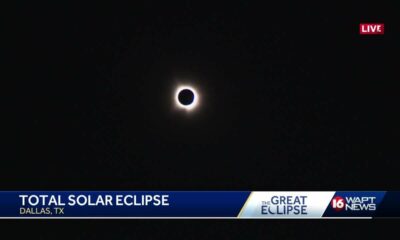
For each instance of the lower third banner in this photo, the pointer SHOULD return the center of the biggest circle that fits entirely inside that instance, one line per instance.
(198, 204)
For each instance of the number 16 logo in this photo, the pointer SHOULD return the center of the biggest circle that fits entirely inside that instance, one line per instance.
(338, 203)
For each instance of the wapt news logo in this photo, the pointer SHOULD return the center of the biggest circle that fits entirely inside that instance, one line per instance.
(354, 204)
(339, 203)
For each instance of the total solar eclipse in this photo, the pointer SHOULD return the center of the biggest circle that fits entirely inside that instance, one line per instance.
(186, 97)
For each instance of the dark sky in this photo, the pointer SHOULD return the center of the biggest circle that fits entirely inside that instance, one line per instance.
(293, 98)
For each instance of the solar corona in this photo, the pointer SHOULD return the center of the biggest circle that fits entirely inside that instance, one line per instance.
(186, 98)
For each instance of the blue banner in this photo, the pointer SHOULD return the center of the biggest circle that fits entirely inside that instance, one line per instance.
(121, 204)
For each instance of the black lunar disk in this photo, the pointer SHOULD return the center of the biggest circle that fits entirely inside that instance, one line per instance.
(186, 97)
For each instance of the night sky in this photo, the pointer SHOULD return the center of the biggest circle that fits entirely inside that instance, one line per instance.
(292, 98)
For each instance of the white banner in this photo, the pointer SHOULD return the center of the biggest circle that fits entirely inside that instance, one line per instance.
(286, 205)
